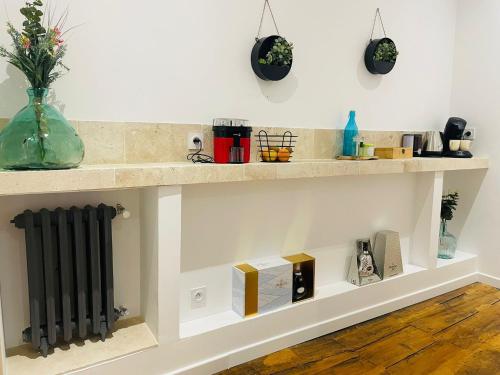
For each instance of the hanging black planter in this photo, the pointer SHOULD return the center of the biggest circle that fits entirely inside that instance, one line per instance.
(278, 64)
(374, 66)
(383, 61)
(267, 72)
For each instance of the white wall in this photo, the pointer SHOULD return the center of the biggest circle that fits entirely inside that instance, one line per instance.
(476, 89)
(188, 62)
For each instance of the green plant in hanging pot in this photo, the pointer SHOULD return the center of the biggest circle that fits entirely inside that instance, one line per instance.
(380, 54)
(447, 241)
(38, 136)
(272, 56)
(386, 52)
(280, 53)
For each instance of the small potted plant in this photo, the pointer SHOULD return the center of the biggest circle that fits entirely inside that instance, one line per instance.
(272, 58)
(381, 56)
(447, 241)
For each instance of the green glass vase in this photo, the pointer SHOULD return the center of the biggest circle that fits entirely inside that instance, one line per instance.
(447, 242)
(39, 137)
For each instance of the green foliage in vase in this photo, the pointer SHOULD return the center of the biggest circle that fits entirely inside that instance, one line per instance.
(37, 50)
(449, 204)
(280, 53)
(386, 52)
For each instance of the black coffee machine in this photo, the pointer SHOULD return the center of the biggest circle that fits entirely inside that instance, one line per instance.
(454, 130)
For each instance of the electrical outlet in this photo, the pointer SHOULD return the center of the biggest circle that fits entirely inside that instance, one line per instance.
(470, 133)
(190, 140)
(198, 297)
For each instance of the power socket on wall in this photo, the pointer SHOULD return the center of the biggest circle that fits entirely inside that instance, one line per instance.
(191, 145)
(198, 297)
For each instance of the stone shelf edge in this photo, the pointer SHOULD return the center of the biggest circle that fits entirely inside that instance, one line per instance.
(121, 176)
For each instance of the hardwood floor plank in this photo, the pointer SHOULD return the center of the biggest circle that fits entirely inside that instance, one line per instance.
(485, 362)
(468, 300)
(366, 333)
(444, 358)
(441, 320)
(477, 330)
(431, 306)
(396, 347)
(457, 333)
(305, 353)
(440, 358)
(329, 366)
(414, 314)
(458, 298)
(479, 288)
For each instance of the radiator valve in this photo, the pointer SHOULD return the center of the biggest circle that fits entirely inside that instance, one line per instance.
(120, 210)
(121, 311)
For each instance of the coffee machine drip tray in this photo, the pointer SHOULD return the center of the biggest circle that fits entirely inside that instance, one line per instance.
(457, 154)
(432, 154)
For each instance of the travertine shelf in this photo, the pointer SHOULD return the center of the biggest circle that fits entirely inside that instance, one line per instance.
(120, 176)
(131, 336)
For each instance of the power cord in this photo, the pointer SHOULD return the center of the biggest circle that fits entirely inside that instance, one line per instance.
(198, 157)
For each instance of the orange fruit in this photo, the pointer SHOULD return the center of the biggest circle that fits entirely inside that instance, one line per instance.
(270, 155)
(284, 154)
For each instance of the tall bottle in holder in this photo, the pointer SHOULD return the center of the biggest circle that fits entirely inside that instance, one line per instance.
(299, 284)
(366, 267)
(350, 134)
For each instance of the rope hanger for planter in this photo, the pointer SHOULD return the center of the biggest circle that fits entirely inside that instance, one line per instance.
(377, 13)
(266, 3)
(266, 66)
(386, 59)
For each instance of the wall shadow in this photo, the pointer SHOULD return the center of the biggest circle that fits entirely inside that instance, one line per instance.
(468, 184)
(12, 92)
(279, 91)
(365, 78)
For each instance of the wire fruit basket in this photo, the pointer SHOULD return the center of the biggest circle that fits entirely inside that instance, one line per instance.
(276, 148)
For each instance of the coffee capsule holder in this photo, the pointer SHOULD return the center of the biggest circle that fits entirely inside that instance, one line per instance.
(269, 146)
(353, 275)
(387, 253)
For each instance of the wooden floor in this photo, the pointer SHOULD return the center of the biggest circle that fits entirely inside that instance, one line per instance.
(456, 333)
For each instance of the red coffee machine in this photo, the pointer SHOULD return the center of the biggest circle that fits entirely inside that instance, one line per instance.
(231, 141)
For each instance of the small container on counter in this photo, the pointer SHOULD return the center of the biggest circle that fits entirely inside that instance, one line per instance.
(367, 150)
(465, 144)
(358, 144)
(408, 140)
(415, 141)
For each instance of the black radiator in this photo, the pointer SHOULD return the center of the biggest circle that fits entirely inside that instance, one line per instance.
(70, 273)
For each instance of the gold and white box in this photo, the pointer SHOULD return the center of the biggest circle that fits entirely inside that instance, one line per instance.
(262, 285)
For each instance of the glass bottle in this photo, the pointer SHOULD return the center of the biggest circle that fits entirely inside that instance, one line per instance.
(365, 262)
(350, 133)
(447, 242)
(299, 285)
(39, 137)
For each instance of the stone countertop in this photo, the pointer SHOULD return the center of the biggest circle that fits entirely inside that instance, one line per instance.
(122, 176)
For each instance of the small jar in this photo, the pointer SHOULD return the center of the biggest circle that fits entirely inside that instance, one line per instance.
(370, 150)
(367, 150)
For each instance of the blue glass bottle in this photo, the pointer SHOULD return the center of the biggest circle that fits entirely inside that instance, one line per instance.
(350, 132)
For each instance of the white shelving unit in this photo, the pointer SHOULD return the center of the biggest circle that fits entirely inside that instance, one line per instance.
(229, 318)
(191, 235)
(460, 257)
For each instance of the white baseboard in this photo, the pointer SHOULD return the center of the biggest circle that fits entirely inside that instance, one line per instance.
(488, 279)
(273, 344)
